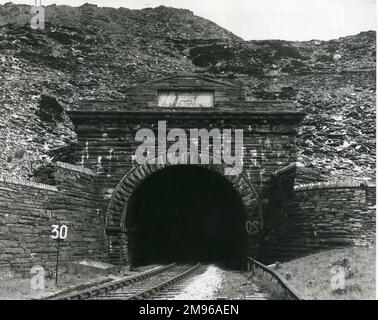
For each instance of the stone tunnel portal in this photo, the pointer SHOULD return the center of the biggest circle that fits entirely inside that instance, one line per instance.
(185, 213)
(157, 212)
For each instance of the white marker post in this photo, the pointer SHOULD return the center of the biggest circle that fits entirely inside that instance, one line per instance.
(59, 234)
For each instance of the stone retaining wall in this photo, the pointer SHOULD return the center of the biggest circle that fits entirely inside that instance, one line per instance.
(28, 209)
(318, 216)
(24, 224)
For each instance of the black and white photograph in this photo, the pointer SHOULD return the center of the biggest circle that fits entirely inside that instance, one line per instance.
(197, 156)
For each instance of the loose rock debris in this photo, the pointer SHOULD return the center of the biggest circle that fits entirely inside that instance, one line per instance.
(217, 283)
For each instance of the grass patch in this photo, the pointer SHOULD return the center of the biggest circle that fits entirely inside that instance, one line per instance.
(275, 291)
(19, 288)
(312, 275)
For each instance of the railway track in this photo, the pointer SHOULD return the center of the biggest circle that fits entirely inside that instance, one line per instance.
(142, 286)
(166, 282)
(151, 287)
(253, 267)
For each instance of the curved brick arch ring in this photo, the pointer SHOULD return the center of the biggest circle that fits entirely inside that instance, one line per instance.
(118, 204)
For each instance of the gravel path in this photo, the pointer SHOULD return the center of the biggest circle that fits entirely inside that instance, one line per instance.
(203, 286)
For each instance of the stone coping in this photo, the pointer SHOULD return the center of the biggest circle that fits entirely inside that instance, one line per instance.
(216, 111)
(43, 186)
(75, 168)
(334, 185)
(27, 183)
(288, 168)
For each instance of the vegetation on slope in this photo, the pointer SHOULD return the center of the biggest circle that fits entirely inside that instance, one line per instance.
(312, 275)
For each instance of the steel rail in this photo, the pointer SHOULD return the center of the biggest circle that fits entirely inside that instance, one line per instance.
(150, 291)
(109, 286)
(252, 265)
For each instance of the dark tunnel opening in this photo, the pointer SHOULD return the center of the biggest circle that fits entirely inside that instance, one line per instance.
(185, 214)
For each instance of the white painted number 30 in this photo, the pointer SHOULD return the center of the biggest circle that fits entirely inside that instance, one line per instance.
(59, 232)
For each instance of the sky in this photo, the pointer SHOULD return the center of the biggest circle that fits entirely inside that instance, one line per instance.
(264, 19)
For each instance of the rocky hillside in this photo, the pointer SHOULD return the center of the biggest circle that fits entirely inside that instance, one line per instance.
(91, 52)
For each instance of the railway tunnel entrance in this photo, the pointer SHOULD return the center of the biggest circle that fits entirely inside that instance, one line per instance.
(156, 211)
(185, 213)
(167, 212)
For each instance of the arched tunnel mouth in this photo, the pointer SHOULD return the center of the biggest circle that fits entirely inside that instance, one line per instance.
(185, 214)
